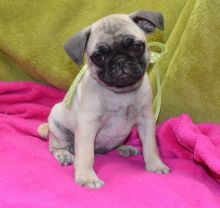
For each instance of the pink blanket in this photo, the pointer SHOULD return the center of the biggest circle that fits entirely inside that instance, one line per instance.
(31, 178)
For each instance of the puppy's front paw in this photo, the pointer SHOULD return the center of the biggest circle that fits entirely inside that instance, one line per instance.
(64, 157)
(158, 167)
(89, 180)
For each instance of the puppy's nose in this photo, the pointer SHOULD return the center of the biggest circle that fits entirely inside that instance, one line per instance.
(119, 63)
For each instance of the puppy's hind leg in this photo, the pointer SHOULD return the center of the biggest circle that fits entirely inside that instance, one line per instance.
(43, 131)
(61, 145)
(127, 151)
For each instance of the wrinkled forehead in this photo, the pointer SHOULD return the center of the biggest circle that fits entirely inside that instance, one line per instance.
(112, 29)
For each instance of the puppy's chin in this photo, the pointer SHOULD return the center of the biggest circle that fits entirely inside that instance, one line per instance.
(122, 78)
(121, 86)
(122, 81)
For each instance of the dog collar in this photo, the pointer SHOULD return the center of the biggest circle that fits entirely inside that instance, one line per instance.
(155, 57)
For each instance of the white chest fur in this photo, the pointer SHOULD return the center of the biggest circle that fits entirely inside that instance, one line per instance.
(115, 127)
(121, 113)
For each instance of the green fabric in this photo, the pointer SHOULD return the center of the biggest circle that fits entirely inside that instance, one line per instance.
(32, 35)
(190, 70)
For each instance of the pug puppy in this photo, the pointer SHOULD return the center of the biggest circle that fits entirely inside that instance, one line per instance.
(113, 96)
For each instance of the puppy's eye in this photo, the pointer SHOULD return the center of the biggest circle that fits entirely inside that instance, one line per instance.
(137, 48)
(128, 42)
(98, 59)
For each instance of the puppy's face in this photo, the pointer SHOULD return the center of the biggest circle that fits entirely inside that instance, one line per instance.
(115, 47)
(116, 51)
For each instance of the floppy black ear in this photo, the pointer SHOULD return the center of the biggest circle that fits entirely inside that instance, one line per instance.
(148, 21)
(75, 46)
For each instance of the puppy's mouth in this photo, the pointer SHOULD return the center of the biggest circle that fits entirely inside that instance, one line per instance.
(122, 78)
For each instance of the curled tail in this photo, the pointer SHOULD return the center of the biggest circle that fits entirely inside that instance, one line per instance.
(43, 130)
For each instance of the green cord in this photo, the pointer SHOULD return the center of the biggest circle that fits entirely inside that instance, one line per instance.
(158, 95)
(69, 95)
(154, 60)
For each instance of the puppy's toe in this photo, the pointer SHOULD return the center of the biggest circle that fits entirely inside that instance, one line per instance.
(127, 151)
(158, 167)
(89, 180)
(64, 157)
(91, 183)
(94, 184)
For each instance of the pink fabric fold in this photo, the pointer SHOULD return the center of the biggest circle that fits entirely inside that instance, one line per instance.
(182, 139)
(31, 178)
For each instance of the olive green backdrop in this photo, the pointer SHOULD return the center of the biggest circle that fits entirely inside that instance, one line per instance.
(32, 34)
